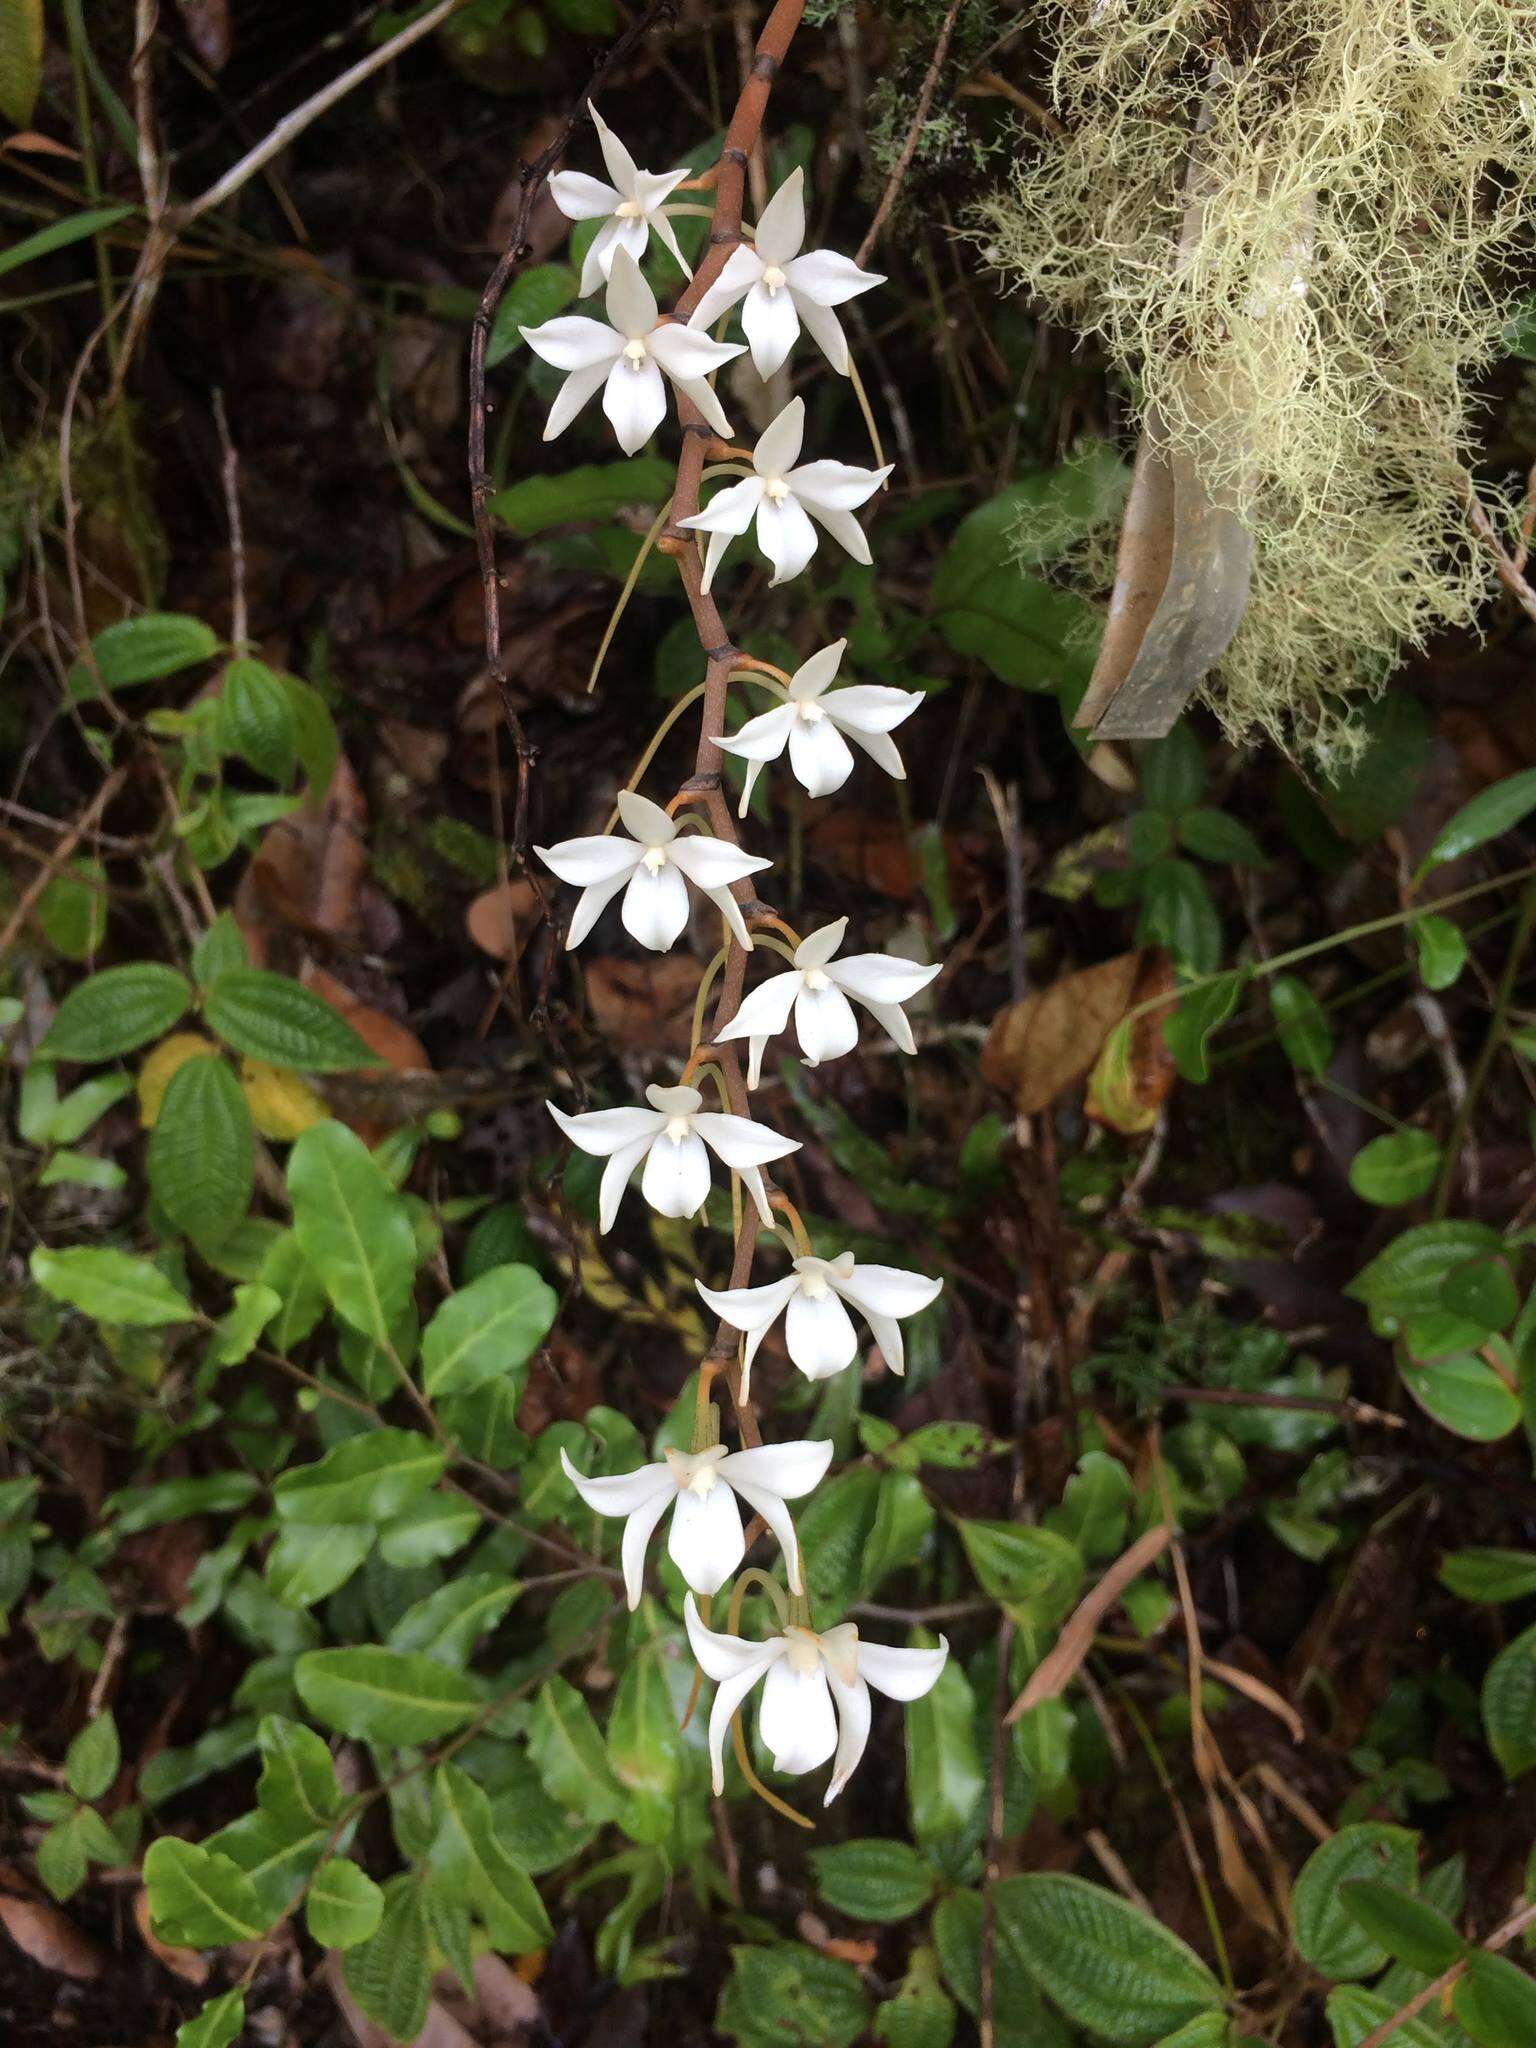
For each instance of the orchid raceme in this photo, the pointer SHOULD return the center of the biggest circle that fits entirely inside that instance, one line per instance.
(783, 289)
(815, 1693)
(671, 1137)
(813, 725)
(815, 992)
(625, 357)
(783, 499)
(818, 1330)
(706, 1541)
(629, 208)
(649, 861)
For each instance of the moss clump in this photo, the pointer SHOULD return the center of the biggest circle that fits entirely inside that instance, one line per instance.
(1293, 225)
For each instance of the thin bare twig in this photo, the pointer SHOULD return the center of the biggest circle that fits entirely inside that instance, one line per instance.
(230, 471)
(903, 163)
(1501, 1937)
(59, 856)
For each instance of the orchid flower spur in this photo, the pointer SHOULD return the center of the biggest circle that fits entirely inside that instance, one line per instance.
(626, 355)
(649, 861)
(815, 993)
(628, 208)
(783, 500)
(818, 1330)
(706, 1541)
(784, 289)
(805, 1674)
(671, 1137)
(813, 724)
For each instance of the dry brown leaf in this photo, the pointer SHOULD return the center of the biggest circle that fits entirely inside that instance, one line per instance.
(208, 31)
(500, 920)
(185, 1963)
(877, 854)
(307, 875)
(1050, 1040)
(1134, 1072)
(41, 1931)
(644, 1002)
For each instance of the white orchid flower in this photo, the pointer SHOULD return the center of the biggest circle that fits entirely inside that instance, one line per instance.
(626, 355)
(649, 861)
(813, 724)
(818, 1329)
(628, 208)
(779, 497)
(806, 1673)
(671, 1137)
(705, 1541)
(784, 289)
(815, 993)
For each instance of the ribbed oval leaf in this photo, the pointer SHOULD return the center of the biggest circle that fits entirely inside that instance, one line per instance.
(1396, 1168)
(259, 721)
(1496, 2002)
(367, 1478)
(115, 1011)
(390, 1974)
(572, 1761)
(1107, 1965)
(142, 650)
(469, 1863)
(1409, 1929)
(201, 1159)
(1022, 2019)
(1304, 1030)
(1353, 2013)
(874, 1879)
(385, 1695)
(1509, 1705)
(1328, 1937)
(946, 1783)
(268, 1017)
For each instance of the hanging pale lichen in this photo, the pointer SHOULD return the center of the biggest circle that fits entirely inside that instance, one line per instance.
(1294, 226)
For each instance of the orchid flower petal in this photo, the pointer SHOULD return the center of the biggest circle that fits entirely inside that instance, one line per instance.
(706, 1541)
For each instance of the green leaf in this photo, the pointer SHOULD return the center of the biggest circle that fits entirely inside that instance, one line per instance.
(645, 1746)
(113, 1287)
(1496, 2002)
(448, 1623)
(1028, 632)
(790, 1994)
(1094, 1506)
(142, 650)
(21, 72)
(1484, 1291)
(1022, 2020)
(946, 1781)
(218, 2025)
(922, 2014)
(581, 496)
(72, 910)
(176, 1770)
(236, 1332)
(133, 1508)
(1490, 813)
(62, 1857)
(1172, 770)
(468, 1862)
(1509, 1705)
(1374, 788)
(1410, 1930)
(1031, 1570)
(1177, 912)
(952, 1446)
(352, 1228)
(268, 1017)
(1442, 951)
(220, 948)
(390, 1974)
(367, 1478)
(343, 1905)
(1408, 1277)
(1396, 1169)
(570, 1754)
(199, 1900)
(1109, 1967)
(1199, 1013)
(258, 717)
(427, 1530)
(92, 1761)
(1489, 1574)
(80, 1108)
(308, 1564)
(385, 1696)
(1212, 835)
(873, 1880)
(1354, 2013)
(201, 1159)
(298, 1787)
(1304, 1030)
(488, 1329)
(1327, 1936)
(115, 1011)
(1465, 1395)
(534, 296)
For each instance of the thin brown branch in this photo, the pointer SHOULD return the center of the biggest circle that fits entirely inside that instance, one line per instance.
(903, 164)
(1501, 1937)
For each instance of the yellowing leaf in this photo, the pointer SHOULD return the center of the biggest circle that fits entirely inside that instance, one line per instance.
(282, 1106)
(160, 1065)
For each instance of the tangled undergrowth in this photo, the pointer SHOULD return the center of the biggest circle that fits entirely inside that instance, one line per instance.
(1311, 341)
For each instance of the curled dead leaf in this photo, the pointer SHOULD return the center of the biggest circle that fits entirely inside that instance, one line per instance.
(1134, 1071)
(645, 1002)
(1042, 1045)
(501, 919)
(41, 1931)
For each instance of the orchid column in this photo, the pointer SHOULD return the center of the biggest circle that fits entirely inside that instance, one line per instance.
(633, 357)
